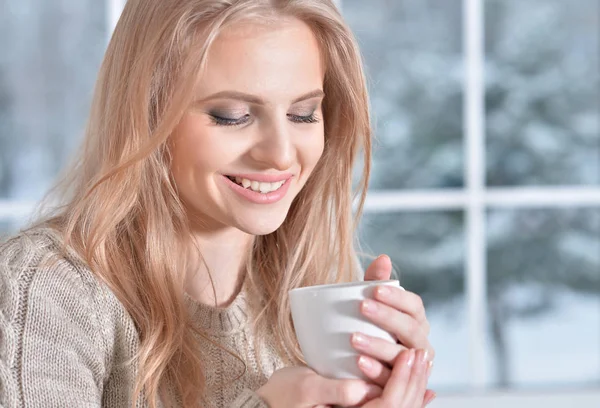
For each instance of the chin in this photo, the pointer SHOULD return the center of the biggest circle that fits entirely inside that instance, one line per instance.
(261, 226)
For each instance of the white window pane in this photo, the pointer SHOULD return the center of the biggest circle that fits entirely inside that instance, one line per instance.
(544, 297)
(414, 59)
(427, 250)
(543, 92)
(51, 52)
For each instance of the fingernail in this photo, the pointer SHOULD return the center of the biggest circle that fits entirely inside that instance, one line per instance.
(382, 291)
(382, 255)
(369, 306)
(429, 369)
(365, 362)
(359, 340)
(425, 355)
(373, 391)
(411, 358)
(430, 399)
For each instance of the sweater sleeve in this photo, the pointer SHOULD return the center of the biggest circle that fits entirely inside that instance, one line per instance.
(50, 343)
(248, 399)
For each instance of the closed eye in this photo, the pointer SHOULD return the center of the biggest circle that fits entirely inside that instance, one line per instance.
(312, 118)
(222, 121)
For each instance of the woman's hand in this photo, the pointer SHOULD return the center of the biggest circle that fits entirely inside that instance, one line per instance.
(399, 312)
(301, 387)
(407, 383)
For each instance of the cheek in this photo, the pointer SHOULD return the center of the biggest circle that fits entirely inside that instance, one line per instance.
(313, 150)
(198, 151)
(194, 158)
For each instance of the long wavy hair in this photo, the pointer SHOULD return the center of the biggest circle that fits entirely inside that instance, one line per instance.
(120, 209)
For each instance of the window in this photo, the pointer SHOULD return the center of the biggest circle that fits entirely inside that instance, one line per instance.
(51, 52)
(486, 187)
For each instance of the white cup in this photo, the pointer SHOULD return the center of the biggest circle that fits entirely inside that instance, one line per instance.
(325, 316)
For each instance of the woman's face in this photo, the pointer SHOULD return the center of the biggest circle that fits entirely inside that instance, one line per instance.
(249, 142)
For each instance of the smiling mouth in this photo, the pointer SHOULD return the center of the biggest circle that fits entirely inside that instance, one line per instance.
(257, 186)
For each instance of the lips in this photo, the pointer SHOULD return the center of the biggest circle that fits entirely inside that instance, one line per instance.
(262, 177)
(258, 186)
(262, 193)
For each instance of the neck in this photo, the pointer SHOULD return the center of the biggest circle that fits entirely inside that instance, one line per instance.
(222, 264)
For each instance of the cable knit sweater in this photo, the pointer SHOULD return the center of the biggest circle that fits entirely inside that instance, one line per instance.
(64, 337)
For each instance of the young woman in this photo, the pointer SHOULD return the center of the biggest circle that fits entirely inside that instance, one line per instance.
(216, 175)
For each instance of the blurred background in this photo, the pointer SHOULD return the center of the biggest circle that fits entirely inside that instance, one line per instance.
(485, 190)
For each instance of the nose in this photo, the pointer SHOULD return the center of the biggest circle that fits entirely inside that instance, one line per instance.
(274, 147)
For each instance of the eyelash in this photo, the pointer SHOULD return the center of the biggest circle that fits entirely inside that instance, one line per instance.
(219, 121)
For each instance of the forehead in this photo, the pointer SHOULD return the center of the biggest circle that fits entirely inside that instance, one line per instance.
(276, 61)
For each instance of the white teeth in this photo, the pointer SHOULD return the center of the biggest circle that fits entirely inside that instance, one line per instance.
(264, 187)
(259, 186)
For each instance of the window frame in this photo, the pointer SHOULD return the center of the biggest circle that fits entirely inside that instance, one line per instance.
(475, 199)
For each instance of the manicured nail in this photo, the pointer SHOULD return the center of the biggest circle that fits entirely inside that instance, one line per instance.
(429, 369)
(382, 291)
(365, 363)
(369, 306)
(430, 399)
(373, 391)
(411, 358)
(360, 340)
(384, 255)
(425, 355)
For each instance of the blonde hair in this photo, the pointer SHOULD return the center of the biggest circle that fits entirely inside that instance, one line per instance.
(121, 209)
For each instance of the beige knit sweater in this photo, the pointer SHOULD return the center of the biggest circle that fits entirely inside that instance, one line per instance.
(64, 337)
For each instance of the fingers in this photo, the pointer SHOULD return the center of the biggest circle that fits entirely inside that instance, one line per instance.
(405, 383)
(397, 384)
(402, 300)
(380, 269)
(429, 396)
(377, 348)
(380, 375)
(328, 391)
(418, 379)
(408, 379)
(374, 370)
(404, 327)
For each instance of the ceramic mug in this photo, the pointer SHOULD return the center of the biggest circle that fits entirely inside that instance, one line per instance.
(325, 316)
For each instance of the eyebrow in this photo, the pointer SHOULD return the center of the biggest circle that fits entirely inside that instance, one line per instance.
(257, 100)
